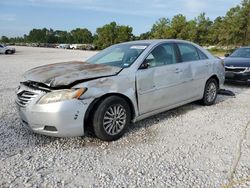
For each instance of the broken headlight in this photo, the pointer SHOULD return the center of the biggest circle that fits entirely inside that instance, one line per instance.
(61, 95)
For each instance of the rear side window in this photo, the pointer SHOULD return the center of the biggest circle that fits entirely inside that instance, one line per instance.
(188, 52)
(202, 55)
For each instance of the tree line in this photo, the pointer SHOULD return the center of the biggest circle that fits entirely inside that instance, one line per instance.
(233, 29)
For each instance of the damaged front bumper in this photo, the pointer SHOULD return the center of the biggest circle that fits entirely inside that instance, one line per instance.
(243, 77)
(237, 74)
(60, 119)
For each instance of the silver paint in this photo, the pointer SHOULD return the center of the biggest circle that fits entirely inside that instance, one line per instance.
(146, 89)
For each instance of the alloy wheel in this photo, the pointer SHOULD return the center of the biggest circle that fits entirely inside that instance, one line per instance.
(114, 119)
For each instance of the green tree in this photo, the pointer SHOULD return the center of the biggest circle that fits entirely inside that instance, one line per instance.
(50, 36)
(215, 31)
(244, 21)
(191, 31)
(203, 27)
(161, 29)
(37, 35)
(111, 34)
(144, 36)
(229, 33)
(81, 36)
(5, 39)
(124, 33)
(178, 27)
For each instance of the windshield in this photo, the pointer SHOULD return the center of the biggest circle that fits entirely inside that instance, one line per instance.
(241, 52)
(122, 55)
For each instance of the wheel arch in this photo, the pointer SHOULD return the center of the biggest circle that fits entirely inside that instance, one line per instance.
(97, 101)
(214, 77)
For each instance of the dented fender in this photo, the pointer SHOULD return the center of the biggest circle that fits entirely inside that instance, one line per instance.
(121, 84)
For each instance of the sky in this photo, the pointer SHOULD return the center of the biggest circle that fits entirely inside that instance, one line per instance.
(18, 17)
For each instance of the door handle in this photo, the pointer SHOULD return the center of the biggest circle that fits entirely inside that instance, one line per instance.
(177, 71)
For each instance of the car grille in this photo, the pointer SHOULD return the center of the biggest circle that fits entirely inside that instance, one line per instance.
(25, 97)
(235, 69)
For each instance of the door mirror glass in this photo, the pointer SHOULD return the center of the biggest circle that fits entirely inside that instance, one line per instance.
(227, 55)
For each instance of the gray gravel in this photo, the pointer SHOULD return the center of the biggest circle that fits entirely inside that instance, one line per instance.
(191, 146)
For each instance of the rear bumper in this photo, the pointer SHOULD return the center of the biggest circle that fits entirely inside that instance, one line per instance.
(61, 119)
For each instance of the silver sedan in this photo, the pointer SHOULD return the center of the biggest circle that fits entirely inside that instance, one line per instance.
(122, 84)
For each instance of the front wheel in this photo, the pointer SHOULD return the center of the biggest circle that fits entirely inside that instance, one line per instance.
(210, 92)
(8, 52)
(111, 118)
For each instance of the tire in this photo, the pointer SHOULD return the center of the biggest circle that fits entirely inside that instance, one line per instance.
(8, 52)
(111, 118)
(210, 92)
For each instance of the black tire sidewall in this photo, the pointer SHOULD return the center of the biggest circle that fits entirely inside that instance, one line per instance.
(8, 52)
(97, 122)
(205, 102)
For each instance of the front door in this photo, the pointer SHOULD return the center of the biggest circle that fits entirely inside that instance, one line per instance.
(159, 85)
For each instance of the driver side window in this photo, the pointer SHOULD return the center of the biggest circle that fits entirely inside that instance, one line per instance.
(163, 54)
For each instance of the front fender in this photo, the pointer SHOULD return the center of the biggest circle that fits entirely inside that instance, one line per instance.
(116, 85)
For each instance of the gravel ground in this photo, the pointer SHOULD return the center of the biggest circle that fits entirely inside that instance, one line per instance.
(191, 146)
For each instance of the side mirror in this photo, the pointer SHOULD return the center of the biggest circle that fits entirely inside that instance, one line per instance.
(227, 55)
(144, 65)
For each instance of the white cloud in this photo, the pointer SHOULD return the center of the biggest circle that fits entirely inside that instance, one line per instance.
(128, 7)
(195, 6)
(7, 17)
(146, 8)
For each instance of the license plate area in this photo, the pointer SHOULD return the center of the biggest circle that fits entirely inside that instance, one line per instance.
(229, 75)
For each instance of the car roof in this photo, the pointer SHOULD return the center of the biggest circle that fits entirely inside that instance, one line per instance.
(155, 41)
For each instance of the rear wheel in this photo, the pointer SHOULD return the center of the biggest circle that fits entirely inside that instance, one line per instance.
(111, 118)
(210, 92)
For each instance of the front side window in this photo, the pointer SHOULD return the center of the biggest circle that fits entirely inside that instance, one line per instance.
(188, 52)
(162, 55)
(122, 55)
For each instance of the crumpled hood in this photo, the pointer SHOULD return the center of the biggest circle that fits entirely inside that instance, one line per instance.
(237, 62)
(67, 73)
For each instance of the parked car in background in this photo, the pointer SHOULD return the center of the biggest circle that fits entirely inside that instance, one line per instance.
(122, 84)
(237, 65)
(74, 46)
(63, 46)
(82, 46)
(6, 50)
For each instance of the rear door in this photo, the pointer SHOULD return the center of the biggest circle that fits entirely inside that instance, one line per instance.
(195, 69)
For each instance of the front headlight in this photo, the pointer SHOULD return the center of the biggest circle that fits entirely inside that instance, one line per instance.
(61, 95)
